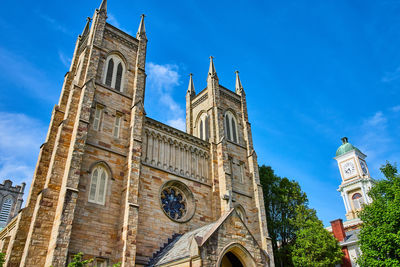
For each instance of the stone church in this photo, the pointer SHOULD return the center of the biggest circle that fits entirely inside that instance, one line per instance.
(118, 186)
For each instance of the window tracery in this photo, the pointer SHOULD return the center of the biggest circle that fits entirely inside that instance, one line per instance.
(231, 127)
(174, 203)
(114, 72)
(98, 185)
(177, 201)
(203, 126)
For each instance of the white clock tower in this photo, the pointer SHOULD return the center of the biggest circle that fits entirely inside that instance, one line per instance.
(356, 180)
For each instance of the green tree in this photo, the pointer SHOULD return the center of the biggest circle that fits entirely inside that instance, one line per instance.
(281, 198)
(313, 246)
(77, 261)
(2, 259)
(380, 232)
(290, 222)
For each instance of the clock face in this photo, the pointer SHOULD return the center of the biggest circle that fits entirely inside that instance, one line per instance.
(348, 169)
(363, 167)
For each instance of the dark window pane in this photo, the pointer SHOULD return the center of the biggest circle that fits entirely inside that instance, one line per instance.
(201, 129)
(110, 71)
(119, 77)
(228, 130)
(234, 131)
(207, 126)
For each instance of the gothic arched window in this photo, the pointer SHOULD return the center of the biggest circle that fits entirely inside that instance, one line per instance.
(98, 185)
(177, 201)
(5, 210)
(231, 127)
(204, 127)
(114, 73)
(241, 212)
(357, 201)
(110, 70)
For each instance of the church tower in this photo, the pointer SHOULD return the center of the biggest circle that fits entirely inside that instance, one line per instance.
(119, 186)
(356, 179)
(219, 116)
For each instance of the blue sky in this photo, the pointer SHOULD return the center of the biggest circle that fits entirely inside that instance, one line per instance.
(313, 71)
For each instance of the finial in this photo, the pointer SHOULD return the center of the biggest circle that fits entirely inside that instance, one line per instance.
(345, 140)
(103, 6)
(191, 90)
(238, 85)
(87, 27)
(142, 29)
(211, 70)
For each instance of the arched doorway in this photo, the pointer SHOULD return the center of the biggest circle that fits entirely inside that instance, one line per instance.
(235, 255)
(230, 260)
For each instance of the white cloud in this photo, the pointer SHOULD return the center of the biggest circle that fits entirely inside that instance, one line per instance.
(163, 76)
(53, 23)
(378, 120)
(66, 61)
(378, 141)
(179, 124)
(161, 82)
(391, 76)
(23, 74)
(20, 139)
(113, 21)
(396, 108)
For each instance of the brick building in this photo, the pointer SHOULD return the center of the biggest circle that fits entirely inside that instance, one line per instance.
(119, 186)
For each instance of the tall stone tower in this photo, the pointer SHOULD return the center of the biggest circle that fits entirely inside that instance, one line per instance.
(10, 201)
(219, 116)
(119, 186)
(356, 179)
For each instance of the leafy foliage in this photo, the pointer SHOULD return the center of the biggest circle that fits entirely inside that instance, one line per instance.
(290, 221)
(281, 197)
(380, 232)
(314, 245)
(77, 261)
(2, 259)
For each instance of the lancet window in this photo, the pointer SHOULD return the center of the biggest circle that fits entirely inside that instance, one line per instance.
(203, 127)
(98, 185)
(231, 127)
(114, 73)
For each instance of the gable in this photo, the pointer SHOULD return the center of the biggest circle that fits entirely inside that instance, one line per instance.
(231, 234)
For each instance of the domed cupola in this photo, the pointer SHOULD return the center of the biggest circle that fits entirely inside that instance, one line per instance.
(345, 147)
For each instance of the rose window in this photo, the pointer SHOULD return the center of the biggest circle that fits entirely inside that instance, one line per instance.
(177, 201)
(173, 203)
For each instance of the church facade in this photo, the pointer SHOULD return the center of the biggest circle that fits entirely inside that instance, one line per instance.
(118, 186)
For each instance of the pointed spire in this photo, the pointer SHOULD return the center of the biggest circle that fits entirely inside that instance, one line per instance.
(190, 90)
(211, 70)
(238, 86)
(103, 6)
(142, 28)
(87, 27)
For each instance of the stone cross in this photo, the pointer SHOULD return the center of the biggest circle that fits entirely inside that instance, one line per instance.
(229, 198)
